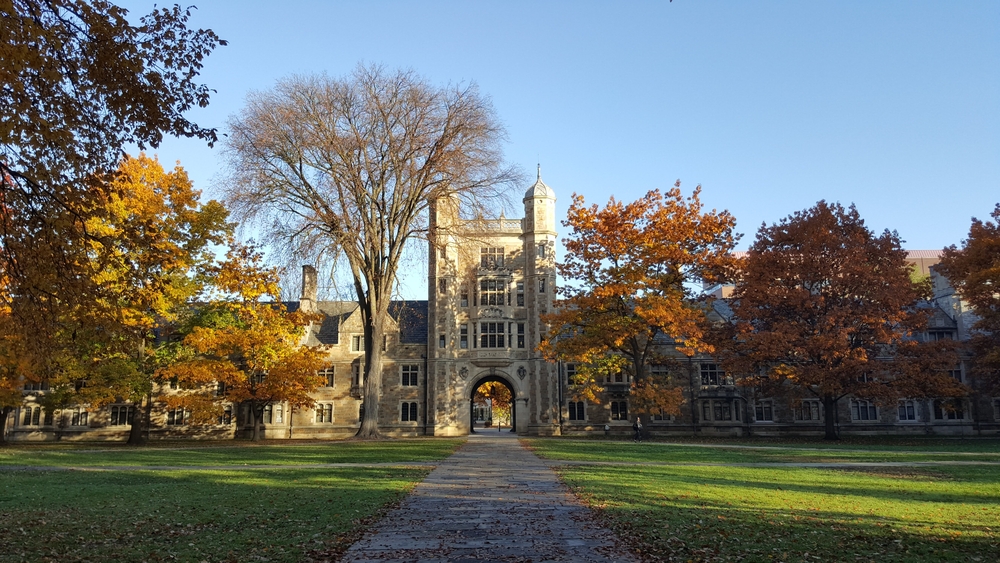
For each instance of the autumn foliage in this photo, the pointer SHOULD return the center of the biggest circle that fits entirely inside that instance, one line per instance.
(628, 291)
(80, 83)
(244, 347)
(824, 308)
(149, 239)
(974, 271)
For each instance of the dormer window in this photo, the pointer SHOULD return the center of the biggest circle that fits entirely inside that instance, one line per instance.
(939, 334)
(36, 386)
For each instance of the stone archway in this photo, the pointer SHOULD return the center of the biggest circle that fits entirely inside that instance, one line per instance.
(488, 377)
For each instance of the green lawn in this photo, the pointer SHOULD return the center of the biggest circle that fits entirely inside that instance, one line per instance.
(232, 453)
(626, 452)
(785, 513)
(887, 443)
(284, 513)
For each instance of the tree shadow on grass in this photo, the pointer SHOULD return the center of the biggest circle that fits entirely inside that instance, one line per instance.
(970, 489)
(274, 515)
(284, 454)
(683, 517)
(716, 534)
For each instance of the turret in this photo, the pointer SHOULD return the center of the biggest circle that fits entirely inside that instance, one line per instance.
(540, 238)
(540, 208)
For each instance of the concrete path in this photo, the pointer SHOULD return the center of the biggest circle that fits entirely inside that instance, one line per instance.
(493, 500)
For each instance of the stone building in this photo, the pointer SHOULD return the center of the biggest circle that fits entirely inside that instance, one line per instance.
(489, 283)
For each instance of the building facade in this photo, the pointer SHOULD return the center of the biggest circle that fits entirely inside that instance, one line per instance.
(489, 284)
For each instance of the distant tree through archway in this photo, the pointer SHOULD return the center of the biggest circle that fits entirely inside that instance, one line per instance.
(492, 404)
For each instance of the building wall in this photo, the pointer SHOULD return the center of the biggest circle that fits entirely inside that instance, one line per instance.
(489, 283)
(448, 364)
(731, 410)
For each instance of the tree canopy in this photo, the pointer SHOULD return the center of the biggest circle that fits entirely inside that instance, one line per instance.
(974, 272)
(342, 171)
(149, 247)
(628, 290)
(244, 347)
(80, 84)
(823, 307)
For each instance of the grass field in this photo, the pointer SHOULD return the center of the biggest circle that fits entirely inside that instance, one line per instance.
(230, 453)
(280, 513)
(626, 452)
(666, 505)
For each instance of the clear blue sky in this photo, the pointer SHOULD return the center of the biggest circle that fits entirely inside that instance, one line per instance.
(770, 106)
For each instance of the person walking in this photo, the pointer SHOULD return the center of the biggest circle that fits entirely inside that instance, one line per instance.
(637, 427)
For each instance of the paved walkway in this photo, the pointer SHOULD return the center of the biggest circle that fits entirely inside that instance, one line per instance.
(492, 500)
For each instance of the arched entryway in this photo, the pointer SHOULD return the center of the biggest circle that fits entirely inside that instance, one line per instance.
(492, 377)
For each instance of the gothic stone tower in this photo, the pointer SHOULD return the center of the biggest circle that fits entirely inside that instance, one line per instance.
(489, 282)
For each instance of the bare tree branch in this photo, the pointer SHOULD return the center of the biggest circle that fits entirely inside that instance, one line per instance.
(347, 168)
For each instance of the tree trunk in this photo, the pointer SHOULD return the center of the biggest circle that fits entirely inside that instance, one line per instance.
(373, 373)
(373, 391)
(258, 416)
(3, 425)
(147, 416)
(829, 416)
(135, 429)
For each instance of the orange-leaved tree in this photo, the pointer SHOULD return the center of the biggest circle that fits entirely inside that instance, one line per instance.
(81, 81)
(245, 347)
(13, 364)
(150, 240)
(823, 307)
(499, 398)
(628, 294)
(974, 271)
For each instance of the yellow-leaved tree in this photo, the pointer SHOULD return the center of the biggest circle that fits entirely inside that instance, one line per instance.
(80, 83)
(149, 246)
(244, 347)
(81, 80)
(628, 294)
(13, 364)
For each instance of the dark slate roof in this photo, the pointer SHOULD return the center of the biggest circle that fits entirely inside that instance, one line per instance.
(411, 316)
(721, 309)
(412, 319)
(939, 318)
(328, 331)
(334, 313)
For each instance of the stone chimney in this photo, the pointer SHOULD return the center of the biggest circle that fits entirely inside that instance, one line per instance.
(307, 303)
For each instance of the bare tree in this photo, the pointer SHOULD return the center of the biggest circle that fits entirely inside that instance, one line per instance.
(343, 171)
